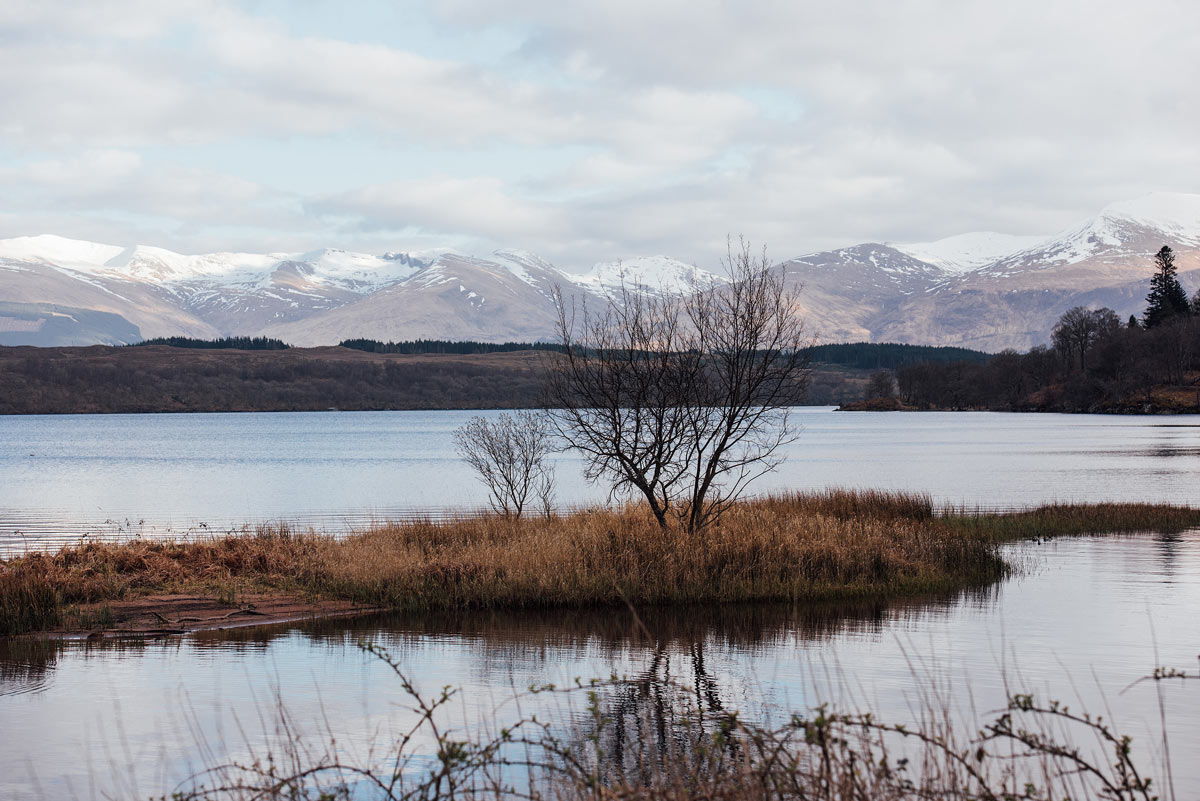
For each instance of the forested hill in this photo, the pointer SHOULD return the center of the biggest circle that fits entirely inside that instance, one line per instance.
(159, 378)
(198, 377)
(891, 355)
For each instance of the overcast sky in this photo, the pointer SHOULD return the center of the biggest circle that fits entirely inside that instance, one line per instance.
(586, 131)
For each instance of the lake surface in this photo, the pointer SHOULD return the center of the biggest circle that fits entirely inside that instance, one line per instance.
(1083, 619)
(119, 475)
(1086, 618)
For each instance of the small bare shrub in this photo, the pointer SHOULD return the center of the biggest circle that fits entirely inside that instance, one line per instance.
(509, 455)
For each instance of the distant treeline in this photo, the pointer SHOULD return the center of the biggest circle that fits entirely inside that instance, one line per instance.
(860, 355)
(236, 343)
(891, 355)
(414, 347)
(1096, 364)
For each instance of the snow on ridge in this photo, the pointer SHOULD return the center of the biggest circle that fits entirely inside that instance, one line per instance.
(58, 250)
(519, 262)
(358, 271)
(964, 253)
(1171, 212)
(1174, 215)
(651, 272)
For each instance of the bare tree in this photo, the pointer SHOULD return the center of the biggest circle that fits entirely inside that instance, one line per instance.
(683, 399)
(881, 385)
(509, 456)
(1079, 329)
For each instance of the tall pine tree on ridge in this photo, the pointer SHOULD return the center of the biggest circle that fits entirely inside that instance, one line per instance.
(1167, 298)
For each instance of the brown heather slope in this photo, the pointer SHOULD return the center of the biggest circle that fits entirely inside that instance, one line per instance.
(158, 378)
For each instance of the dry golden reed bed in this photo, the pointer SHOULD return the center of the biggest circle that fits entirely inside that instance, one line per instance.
(837, 544)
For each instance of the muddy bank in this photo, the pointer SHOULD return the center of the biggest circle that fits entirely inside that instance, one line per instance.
(172, 614)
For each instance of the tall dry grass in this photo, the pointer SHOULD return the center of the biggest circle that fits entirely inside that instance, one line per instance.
(1067, 519)
(802, 546)
(36, 588)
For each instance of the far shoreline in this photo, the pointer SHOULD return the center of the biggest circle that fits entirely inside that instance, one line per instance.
(893, 405)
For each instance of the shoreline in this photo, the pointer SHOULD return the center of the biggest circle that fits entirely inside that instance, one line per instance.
(172, 615)
(869, 406)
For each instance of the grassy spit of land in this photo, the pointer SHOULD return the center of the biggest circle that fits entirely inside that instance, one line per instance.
(796, 547)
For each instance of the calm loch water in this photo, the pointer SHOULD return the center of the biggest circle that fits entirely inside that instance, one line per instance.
(1085, 619)
(118, 475)
(1081, 620)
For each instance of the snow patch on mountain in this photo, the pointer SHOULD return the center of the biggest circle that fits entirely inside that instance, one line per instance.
(360, 272)
(967, 252)
(1172, 213)
(651, 273)
(526, 266)
(58, 251)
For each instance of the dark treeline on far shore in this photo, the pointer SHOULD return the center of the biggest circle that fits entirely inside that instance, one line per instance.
(464, 347)
(1095, 364)
(858, 355)
(234, 343)
(890, 355)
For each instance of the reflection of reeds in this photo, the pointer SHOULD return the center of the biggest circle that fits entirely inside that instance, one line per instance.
(833, 545)
(656, 737)
(25, 662)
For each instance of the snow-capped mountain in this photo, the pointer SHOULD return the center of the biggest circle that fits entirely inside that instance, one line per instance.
(357, 272)
(1121, 230)
(509, 297)
(1015, 300)
(982, 290)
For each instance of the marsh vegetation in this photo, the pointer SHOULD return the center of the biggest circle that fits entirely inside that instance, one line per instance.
(788, 547)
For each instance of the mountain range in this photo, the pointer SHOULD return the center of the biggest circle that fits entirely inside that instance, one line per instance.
(985, 291)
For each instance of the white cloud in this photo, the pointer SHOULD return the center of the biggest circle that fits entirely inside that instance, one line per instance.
(445, 207)
(806, 124)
